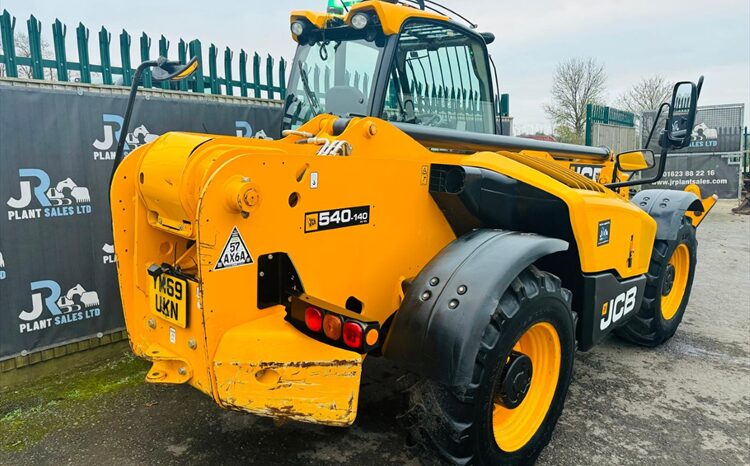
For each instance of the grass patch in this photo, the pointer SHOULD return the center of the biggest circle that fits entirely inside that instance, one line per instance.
(28, 413)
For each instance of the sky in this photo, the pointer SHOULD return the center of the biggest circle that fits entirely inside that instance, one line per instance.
(678, 39)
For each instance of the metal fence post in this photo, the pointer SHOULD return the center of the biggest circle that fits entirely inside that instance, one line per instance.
(59, 30)
(588, 124)
(228, 88)
(7, 25)
(243, 73)
(504, 105)
(256, 74)
(35, 47)
(182, 56)
(82, 38)
(269, 76)
(282, 77)
(145, 54)
(195, 51)
(105, 38)
(164, 52)
(127, 69)
(212, 72)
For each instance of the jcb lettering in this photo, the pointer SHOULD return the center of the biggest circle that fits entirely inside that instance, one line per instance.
(617, 308)
(592, 172)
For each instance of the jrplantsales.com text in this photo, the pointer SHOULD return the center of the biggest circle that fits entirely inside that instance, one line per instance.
(683, 181)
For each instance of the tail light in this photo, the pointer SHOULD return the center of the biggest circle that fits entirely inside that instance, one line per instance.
(352, 334)
(333, 325)
(313, 319)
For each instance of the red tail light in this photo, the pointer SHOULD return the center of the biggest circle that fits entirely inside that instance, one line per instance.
(314, 319)
(333, 325)
(353, 334)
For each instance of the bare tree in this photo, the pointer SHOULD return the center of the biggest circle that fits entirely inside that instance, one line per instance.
(23, 49)
(577, 82)
(646, 95)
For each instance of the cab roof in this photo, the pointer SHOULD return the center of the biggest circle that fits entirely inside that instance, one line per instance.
(390, 15)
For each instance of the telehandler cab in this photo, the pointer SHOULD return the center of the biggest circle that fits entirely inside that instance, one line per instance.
(392, 220)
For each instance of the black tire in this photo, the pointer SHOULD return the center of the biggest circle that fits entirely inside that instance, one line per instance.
(456, 422)
(649, 327)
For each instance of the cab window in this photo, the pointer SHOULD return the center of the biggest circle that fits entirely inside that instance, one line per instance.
(332, 76)
(440, 78)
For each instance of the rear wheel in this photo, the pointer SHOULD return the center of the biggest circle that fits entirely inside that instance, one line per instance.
(521, 378)
(668, 285)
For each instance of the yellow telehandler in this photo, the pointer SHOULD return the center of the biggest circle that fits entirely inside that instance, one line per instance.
(393, 220)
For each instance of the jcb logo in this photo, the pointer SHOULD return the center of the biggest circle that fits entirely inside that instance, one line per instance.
(617, 308)
(311, 222)
(591, 172)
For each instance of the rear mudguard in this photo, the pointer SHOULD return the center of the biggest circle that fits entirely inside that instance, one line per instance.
(668, 207)
(437, 330)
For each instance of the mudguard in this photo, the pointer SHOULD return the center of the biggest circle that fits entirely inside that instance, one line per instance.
(668, 207)
(437, 330)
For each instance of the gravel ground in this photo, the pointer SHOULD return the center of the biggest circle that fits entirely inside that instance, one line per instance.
(686, 402)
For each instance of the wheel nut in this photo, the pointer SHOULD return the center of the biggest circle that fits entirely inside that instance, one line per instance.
(434, 281)
(453, 303)
(426, 295)
(462, 289)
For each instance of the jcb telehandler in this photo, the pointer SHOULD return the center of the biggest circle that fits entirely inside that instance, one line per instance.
(392, 220)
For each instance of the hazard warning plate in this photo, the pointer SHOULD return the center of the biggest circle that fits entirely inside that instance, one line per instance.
(235, 252)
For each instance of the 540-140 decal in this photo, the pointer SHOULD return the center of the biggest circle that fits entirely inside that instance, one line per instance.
(336, 218)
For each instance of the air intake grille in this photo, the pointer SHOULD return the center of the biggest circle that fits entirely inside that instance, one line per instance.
(558, 172)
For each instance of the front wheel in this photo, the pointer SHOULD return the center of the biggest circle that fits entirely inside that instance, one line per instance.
(521, 379)
(669, 281)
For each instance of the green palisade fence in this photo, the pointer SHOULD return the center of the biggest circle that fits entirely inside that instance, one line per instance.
(607, 116)
(205, 80)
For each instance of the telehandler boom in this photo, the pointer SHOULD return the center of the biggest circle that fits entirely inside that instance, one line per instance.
(392, 220)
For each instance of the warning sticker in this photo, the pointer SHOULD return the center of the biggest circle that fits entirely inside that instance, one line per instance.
(235, 252)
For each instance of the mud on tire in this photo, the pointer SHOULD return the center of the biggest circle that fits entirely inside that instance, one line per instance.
(457, 422)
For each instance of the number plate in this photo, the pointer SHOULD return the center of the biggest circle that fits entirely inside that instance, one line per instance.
(168, 298)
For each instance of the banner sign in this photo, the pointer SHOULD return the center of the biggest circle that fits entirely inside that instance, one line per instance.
(717, 129)
(57, 267)
(714, 173)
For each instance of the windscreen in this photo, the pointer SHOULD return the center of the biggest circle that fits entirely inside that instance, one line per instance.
(331, 77)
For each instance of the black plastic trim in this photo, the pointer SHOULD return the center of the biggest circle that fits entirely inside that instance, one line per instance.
(667, 207)
(277, 280)
(598, 289)
(438, 336)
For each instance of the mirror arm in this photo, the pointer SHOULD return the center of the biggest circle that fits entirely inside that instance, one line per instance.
(128, 113)
(662, 157)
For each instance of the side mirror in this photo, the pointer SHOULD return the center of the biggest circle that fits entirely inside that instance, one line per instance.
(166, 70)
(681, 117)
(635, 161)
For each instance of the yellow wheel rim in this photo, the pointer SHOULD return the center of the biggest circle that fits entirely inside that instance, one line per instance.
(675, 283)
(513, 428)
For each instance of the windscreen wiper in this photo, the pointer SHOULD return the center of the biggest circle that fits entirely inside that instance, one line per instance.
(311, 97)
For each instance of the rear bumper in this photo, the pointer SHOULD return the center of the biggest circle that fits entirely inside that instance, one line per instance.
(269, 368)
